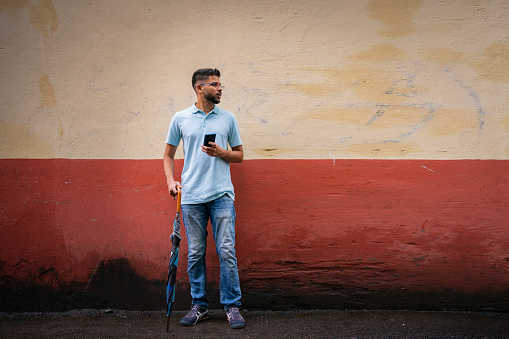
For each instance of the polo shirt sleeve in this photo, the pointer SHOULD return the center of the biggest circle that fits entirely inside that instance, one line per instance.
(174, 132)
(234, 136)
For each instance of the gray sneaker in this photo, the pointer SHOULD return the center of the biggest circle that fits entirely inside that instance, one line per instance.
(235, 318)
(196, 314)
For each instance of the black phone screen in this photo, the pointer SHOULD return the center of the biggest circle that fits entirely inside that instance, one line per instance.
(208, 138)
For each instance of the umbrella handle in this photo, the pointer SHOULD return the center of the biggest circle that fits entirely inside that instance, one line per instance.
(179, 198)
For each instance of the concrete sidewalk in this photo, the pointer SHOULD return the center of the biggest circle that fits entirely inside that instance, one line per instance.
(291, 324)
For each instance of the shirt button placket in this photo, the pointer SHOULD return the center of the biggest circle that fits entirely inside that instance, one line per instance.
(204, 124)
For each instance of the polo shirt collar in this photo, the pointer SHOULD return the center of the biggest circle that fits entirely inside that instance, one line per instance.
(195, 109)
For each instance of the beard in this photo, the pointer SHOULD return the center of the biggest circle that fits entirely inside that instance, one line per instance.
(212, 98)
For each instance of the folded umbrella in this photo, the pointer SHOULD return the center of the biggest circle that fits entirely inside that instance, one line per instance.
(172, 269)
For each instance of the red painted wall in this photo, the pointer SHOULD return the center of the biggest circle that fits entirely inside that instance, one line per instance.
(355, 233)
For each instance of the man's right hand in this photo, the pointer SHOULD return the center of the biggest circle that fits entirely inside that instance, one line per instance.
(172, 188)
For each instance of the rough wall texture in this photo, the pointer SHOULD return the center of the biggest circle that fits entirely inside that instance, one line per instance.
(375, 134)
(345, 79)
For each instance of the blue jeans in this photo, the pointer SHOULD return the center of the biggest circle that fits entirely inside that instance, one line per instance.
(222, 217)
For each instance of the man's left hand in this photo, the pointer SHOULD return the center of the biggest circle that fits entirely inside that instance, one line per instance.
(214, 150)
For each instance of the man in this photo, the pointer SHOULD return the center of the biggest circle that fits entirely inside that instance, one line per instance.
(207, 192)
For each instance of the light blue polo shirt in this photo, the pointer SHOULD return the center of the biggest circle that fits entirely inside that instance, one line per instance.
(204, 178)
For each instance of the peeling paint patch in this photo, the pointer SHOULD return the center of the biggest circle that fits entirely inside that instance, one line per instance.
(382, 149)
(420, 258)
(270, 151)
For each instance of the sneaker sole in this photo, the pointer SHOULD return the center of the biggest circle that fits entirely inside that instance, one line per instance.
(237, 327)
(192, 324)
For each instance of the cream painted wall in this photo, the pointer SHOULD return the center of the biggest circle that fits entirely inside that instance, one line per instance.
(409, 79)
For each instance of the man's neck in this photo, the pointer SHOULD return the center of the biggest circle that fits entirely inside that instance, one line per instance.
(205, 106)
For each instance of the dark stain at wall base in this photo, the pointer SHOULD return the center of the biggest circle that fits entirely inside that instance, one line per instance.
(279, 297)
(115, 285)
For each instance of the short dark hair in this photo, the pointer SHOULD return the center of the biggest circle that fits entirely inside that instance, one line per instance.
(203, 74)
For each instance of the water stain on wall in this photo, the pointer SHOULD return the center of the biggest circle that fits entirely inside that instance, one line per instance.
(47, 91)
(354, 115)
(28, 142)
(455, 122)
(402, 117)
(445, 55)
(383, 51)
(374, 85)
(12, 131)
(43, 17)
(393, 104)
(369, 84)
(315, 89)
(375, 115)
(396, 15)
(494, 63)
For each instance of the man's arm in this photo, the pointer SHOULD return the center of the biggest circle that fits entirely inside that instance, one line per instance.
(169, 169)
(236, 155)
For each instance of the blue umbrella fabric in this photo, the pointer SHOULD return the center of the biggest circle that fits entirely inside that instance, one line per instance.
(172, 269)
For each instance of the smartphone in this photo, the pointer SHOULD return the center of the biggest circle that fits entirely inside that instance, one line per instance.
(208, 138)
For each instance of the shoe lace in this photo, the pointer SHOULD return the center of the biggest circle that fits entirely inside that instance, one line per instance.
(195, 309)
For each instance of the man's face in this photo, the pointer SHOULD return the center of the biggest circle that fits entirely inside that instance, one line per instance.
(212, 89)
